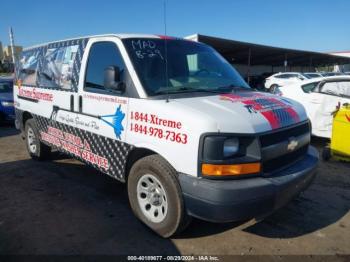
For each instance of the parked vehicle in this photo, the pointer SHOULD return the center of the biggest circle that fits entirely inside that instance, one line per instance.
(332, 74)
(339, 148)
(281, 79)
(320, 97)
(172, 119)
(257, 82)
(7, 110)
(313, 75)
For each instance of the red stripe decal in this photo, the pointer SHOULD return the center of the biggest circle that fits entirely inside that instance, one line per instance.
(268, 113)
(165, 37)
(293, 114)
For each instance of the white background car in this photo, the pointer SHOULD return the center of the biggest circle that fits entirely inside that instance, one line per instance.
(320, 97)
(313, 74)
(281, 79)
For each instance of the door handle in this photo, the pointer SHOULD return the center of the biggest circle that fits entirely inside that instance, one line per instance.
(80, 104)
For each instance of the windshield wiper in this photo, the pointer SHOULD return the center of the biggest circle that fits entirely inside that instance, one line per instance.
(186, 89)
(231, 87)
(183, 90)
(191, 89)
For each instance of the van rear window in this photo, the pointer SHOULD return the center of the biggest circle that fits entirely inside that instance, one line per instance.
(28, 66)
(57, 67)
(54, 66)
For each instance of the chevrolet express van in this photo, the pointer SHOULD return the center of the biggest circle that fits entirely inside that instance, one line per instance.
(172, 119)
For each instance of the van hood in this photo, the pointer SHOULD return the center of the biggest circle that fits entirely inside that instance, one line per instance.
(246, 111)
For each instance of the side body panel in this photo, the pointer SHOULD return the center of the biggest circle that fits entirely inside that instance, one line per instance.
(48, 90)
(103, 129)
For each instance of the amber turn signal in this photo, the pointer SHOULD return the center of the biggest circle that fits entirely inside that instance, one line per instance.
(230, 170)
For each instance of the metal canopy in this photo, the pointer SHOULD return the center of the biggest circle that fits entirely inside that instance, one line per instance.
(240, 52)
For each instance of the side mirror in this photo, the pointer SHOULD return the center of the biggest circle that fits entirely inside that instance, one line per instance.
(112, 79)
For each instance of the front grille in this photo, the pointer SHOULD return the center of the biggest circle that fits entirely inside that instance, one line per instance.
(284, 160)
(278, 136)
(285, 157)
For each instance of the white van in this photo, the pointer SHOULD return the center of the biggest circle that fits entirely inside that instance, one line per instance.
(172, 119)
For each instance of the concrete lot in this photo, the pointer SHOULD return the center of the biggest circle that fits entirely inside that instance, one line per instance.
(64, 207)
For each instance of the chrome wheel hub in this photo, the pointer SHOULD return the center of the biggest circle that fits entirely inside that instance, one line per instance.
(31, 140)
(152, 198)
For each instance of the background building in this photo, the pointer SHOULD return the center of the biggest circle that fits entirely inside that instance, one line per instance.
(7, 55)
(342, 68)
(255, 62)
(1, 53)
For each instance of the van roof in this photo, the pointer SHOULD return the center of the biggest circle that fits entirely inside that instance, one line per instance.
(121, 36)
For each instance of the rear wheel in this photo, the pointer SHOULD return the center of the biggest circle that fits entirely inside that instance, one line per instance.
(155, 196)
(36, 149)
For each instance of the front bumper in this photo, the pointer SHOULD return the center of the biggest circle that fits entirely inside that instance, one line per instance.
(234, 200)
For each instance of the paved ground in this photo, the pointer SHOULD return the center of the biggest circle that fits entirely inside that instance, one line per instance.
(64, 207)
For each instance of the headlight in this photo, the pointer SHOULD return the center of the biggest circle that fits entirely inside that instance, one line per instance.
(7, 103)
(229, 155)
(220, 147)
(231, 147)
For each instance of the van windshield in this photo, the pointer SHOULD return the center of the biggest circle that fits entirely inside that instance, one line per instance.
(188, 67)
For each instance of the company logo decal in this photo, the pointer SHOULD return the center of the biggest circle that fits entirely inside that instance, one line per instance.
(277, 111)
(293, 143)
(115, 121)
(33, 94)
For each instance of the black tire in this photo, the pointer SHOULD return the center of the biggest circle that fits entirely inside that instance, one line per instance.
(326, 153)
(176, 218)
(41, 151)
(272, 89)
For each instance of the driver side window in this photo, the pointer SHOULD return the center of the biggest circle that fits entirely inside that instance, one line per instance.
(101, 56)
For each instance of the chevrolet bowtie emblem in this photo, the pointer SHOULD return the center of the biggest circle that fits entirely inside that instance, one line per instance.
(293, 143)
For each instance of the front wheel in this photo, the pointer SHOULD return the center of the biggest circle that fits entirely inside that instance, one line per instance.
(36, 149)
(155, 196)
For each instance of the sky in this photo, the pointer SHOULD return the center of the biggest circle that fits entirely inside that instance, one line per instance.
(321, 25)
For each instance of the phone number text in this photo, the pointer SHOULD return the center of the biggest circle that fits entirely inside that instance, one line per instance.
(172, 136)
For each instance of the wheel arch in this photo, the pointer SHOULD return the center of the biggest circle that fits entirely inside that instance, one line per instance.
(134, 155)
(23, 117)
(139, 152)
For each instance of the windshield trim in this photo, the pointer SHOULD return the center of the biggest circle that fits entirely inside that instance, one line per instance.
(195, 94)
